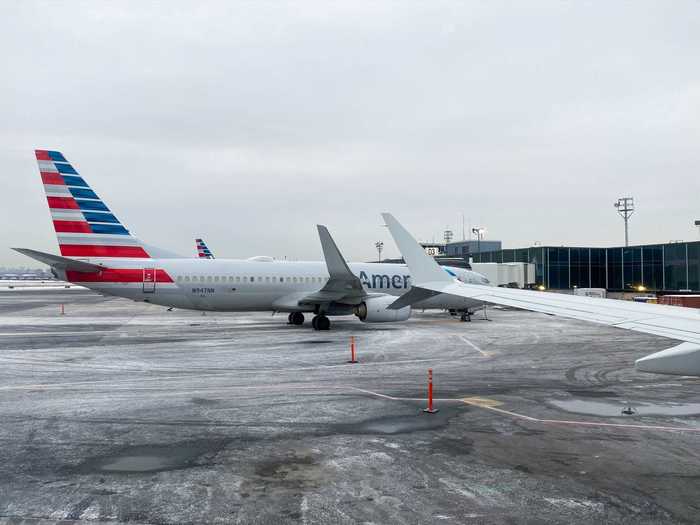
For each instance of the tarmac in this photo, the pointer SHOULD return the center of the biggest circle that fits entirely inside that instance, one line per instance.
(118, 411)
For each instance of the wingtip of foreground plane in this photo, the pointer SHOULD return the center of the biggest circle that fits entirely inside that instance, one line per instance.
(683, 360)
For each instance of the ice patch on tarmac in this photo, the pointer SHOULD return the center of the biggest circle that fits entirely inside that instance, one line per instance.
(575, 504)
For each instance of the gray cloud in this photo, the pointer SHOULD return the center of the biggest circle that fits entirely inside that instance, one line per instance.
(248, 123)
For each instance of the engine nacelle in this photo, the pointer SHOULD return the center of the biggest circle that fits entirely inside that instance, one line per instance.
(374, 310)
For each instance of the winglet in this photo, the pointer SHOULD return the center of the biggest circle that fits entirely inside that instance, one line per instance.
(682, 360)
(342, 280)
(423, 268)
(337, 267)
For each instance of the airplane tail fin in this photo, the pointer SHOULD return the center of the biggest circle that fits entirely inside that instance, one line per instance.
(85, 226)
(202, 250)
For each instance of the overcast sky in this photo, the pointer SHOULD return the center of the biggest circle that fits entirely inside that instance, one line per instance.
(249, 123)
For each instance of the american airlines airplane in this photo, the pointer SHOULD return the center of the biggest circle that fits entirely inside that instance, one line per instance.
(98, 252)
(202, 250)
(674, 322)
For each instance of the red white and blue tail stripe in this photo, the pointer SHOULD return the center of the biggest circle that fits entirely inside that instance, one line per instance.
(85, 227)
(202, 250)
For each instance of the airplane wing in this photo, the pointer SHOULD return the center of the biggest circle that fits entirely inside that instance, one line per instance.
(343, 286)
(668, 321)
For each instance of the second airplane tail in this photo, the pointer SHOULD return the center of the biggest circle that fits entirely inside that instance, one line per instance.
(202, 250)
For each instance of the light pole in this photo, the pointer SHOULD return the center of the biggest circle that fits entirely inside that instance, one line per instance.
(625, 207)
(479, 235)
(379, 245)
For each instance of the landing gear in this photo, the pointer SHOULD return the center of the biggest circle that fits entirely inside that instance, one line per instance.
(321, 322)
(466, 316)
(296, 318)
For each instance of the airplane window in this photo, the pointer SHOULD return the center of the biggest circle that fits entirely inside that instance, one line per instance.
(216, 279)
(252, 279)
(267, 279)
(208, 278)
(187, 278)
(294, 279)
(201, 278)
(238, 279)
(179, 278)
(230, 278)
(245, 279)
(281, 279)
(274, 279)
(308, 280)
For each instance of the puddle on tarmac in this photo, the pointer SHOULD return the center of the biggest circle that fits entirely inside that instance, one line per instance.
(614, 408)
(397, 425)
(203, 401)
(593, 393)
(136, 464)
(152, 458)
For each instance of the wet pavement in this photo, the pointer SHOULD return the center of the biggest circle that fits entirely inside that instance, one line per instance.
(124, 412)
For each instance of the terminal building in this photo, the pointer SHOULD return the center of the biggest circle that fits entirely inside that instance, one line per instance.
(671, 267)
(469, 248)
(460, 249)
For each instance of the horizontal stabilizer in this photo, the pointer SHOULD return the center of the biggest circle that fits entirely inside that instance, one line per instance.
(413, 296)
(60, 263)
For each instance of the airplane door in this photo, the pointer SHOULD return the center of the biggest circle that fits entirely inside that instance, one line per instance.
(149, 280)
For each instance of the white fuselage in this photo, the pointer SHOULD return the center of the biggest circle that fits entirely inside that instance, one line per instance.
(245, 285)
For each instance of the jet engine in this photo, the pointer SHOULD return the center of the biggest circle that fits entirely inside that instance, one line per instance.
(374, 310)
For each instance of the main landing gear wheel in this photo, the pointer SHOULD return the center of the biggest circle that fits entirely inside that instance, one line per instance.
(466, 316)
(296, 318)
(321, 322)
